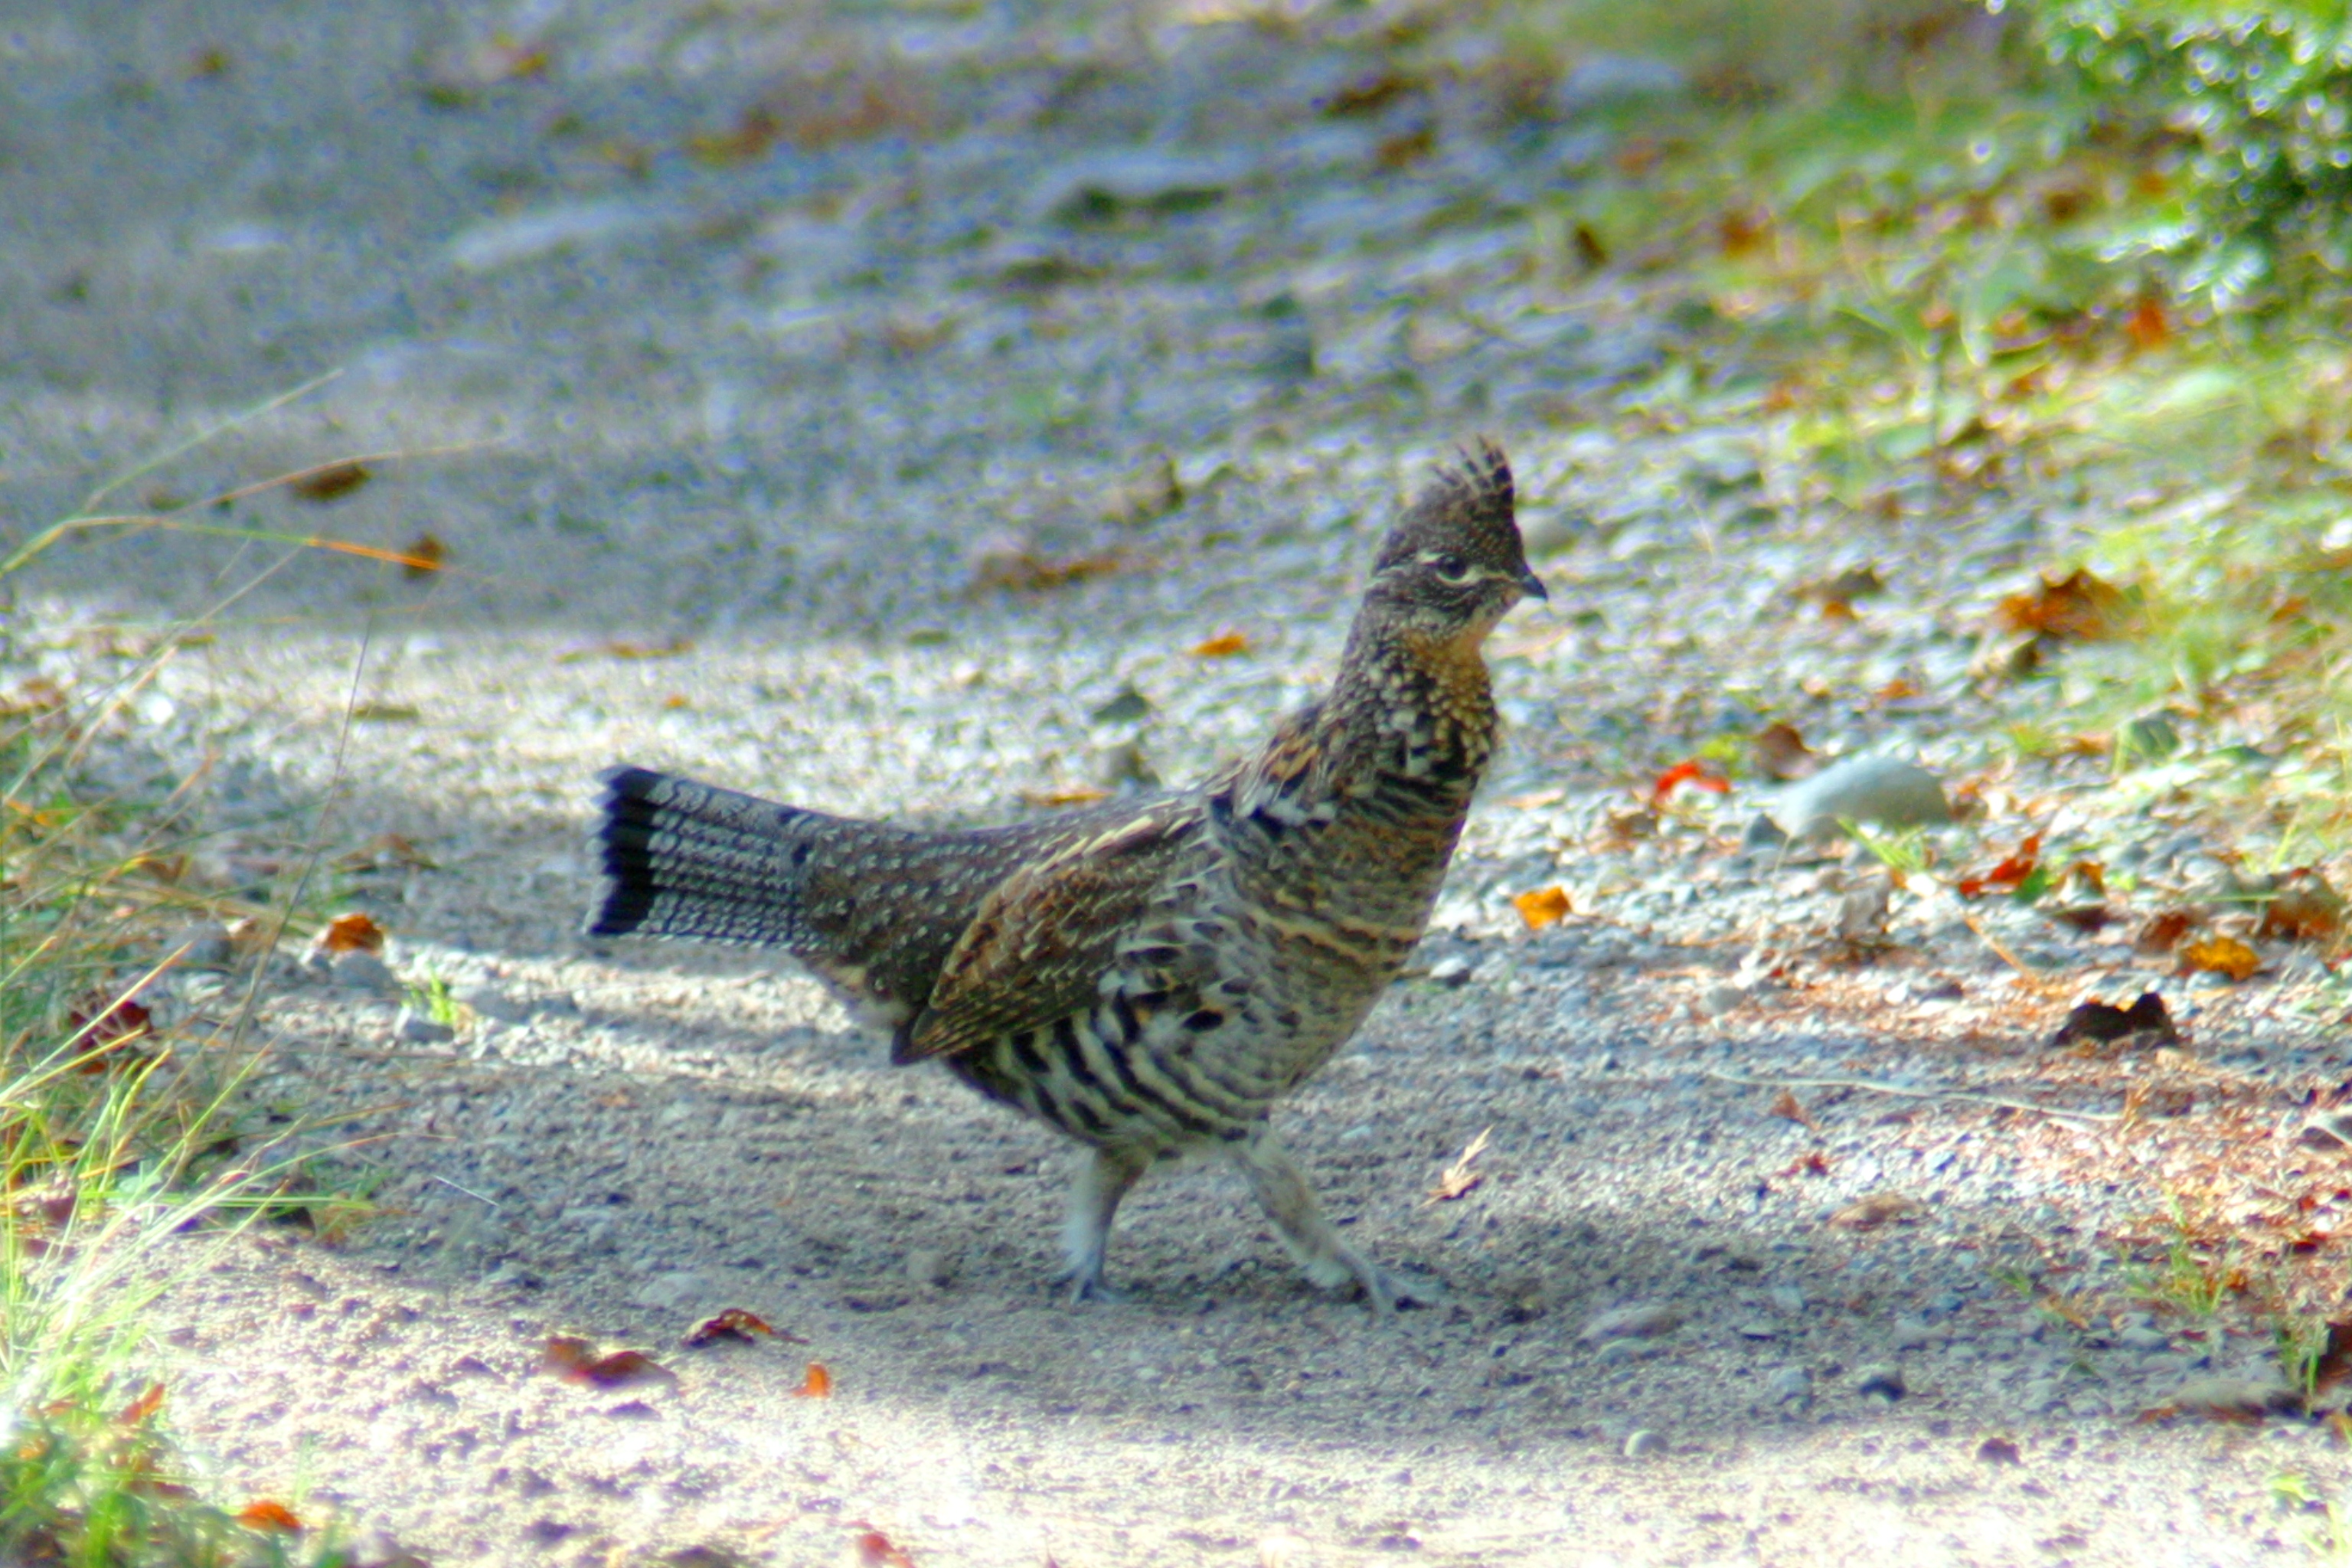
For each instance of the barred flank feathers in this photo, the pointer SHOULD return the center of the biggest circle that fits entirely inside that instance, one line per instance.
(688, 860)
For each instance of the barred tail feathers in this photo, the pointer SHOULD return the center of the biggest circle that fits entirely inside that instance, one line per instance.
(687, 860)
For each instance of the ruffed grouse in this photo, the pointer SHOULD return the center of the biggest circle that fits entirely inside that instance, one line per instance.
(1149, 975)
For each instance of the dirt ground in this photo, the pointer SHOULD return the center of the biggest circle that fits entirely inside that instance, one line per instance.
(881, 411)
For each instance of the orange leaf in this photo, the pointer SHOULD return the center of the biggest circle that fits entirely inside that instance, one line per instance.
(2220, 955)
(1786, 1106)
(1223, 645)
(1693, 772)
(352, 933)
(815, 1383)
(2008, 873)
(1543, 906)
(874, 1551)
(567, 1356)
(734, 1323)
(263, 1514)
(138, 1409)
(2078, 607)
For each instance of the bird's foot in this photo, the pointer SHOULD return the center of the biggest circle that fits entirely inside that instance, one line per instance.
(1082, 1283)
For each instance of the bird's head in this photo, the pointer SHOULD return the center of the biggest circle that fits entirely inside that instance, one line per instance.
(1454, 564)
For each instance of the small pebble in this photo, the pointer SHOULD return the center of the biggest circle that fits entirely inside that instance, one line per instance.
(1644, 1444)
(1643, 1320)
(1717, 1000)
(1881, 1381)
(1910, 1334)
(1788, 1300)
(415, 1029)
(1616, 1350)
(1454, 970)
(928, 1265)
(2144, 1339)
(1760, 1331)
(1790, 1382)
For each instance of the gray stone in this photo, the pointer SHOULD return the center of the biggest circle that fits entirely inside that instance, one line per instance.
(1717, 1000)
(668, 1292)
(1601, 81)
(1643, 1320)
(1885, 790)
(1107, 186)
(1910, 1334)
(414, 1027)
(928, 1265)
(1644, 1444)
(203, 945)
(1788, 1300)
(1451, 970)
(1760, 1331)
(1790, 1382)
(360, 970)
(2142, 1338)
(1615, 1352)
(486, 1001)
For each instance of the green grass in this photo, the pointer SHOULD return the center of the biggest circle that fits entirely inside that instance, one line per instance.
(131, 1152)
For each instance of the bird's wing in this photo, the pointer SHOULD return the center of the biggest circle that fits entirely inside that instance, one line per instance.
(1042, 938)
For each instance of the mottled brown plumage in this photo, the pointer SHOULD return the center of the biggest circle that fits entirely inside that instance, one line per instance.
(1151, 975)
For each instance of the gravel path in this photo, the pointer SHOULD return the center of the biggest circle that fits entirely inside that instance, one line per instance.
(906, 468)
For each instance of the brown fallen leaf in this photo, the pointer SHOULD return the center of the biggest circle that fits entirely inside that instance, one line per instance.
(1023, 571)
(1812, 1163)
(751, 137)
(330, 481)
(568, 1357)
(423, 556)
(386, 852)
(2220, 955)
(815, 1383)
(1786, 1106)
(2098, 1022)
(1543, 906)
(2012, 870)
(150, 1401)
(264, 1515)
(2303, 908)
(352, 933)
(735, 1323)
(1459, 1177)
(873, 1550)
(1222, 646)
(2078, 607)
(1836, 595)
(2164, 931)
(1876, 1209)
(1782, 751)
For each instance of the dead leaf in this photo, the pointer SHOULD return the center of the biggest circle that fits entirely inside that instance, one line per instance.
(752, 136)
(1411, 147)
(623, 649)
(1836, 595)
(208, 64)
(330, 481)
(873, 1550)
(2334, 1363)
(103, 1023)
(1695, 773)
(423, 556)
(1786, 1106)
(2146, 326)
(2098, 1022)
(1459, 1177)
(352, 933)
(735, 1323)
(1222, 646)
(2164, 931)
(2303, 909)
(263, 1514)
(1014, 564)
(386, 852)
(568, 1357)
(2012, 870)
(815, 1383)
(1782, 751)
(1812, 1163)
(1543, 906)
(2220, 955)
(146, 1405)
(1876, 1209)
(1370, 94)
(2078, 607)
(386, 713)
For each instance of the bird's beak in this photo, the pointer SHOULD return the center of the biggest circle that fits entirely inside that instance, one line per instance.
(1531, 586)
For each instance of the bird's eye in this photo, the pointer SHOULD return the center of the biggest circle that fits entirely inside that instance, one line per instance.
(1450, 568)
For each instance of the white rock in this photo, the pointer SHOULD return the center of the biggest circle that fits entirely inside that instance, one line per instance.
(1885, 790)
(1644, 1444)
(668, 1292)
(1643, 1320)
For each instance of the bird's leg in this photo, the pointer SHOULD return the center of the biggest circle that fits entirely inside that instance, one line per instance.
(1094, 1199)
(1281, 1190)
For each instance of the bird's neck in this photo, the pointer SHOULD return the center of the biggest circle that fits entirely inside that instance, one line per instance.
(1410, 705)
